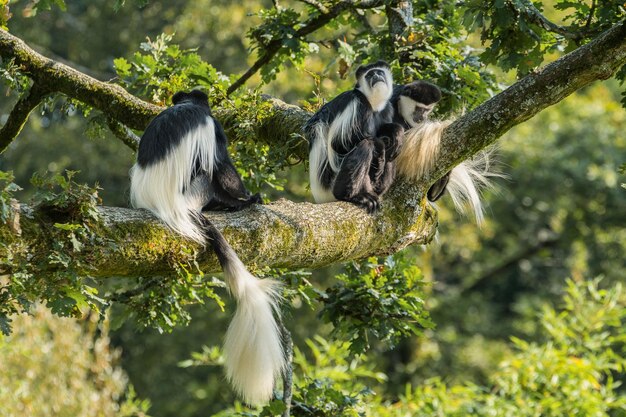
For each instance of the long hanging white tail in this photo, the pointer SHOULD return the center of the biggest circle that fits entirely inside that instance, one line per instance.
(417, 157)
(253, 346)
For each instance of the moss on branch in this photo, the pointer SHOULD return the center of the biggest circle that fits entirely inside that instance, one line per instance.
(281, 234)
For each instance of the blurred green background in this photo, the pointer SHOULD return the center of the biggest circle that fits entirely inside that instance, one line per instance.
(560, 213)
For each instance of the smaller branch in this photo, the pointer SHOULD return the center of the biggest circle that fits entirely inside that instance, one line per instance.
(123, 133)
(591, 13)
(125, 296)
(19, 115)
(535, 16)
(498, 270)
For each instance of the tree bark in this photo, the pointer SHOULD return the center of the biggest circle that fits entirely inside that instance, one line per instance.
(286, 234)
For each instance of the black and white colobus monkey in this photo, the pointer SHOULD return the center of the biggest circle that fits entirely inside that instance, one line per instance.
(412, 105)
(183, 168)
(353, 142)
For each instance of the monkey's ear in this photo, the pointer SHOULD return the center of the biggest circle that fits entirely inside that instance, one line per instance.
(360, 71)
(178, 97)
(198, 95)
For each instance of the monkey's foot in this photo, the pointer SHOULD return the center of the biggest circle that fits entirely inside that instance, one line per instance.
(369, 202)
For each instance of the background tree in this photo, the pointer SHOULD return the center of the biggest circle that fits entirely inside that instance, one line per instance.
(534, 237)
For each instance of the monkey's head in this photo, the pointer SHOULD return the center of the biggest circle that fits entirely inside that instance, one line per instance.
(376, 83)
(416, 101)
(195, 96)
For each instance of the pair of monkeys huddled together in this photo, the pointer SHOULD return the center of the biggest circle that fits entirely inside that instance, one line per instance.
(183, 168)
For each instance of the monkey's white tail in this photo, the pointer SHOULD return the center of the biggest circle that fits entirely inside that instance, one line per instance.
(467, 180)
(253, 345)
(419, 152)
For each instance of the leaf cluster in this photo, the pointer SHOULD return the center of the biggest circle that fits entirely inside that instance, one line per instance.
(162, 302)
(36, 6)
(66, 290)
(518, 36)
(434, 49)
(65, 368)
(162, 69)
(379, 298)
(12, 77)
(280, 25)
(5, 14)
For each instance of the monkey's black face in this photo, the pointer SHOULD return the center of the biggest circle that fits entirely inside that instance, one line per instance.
(375, 76)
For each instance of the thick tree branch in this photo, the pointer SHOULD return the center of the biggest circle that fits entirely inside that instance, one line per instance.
(19, 115)
(316, 22)
(281, 234)
(285, 234)
(53, 76)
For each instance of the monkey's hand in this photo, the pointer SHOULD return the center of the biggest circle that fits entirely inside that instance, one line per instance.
(255, 199)
(392, 135)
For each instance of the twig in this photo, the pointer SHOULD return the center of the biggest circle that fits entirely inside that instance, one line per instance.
(591, 13)
(499, 269)
(19, 115)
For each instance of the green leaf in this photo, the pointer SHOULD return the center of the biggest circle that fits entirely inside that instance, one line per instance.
(5, 324)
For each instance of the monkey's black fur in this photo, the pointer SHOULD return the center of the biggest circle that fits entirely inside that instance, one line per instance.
(363, 150)
(225, 191)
